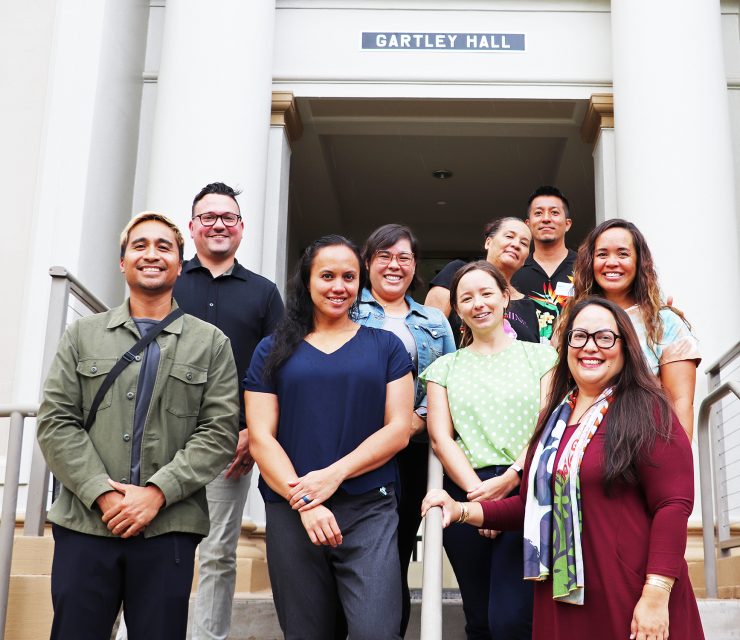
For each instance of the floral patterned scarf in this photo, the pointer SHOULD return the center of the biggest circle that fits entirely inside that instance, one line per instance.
(552, 520)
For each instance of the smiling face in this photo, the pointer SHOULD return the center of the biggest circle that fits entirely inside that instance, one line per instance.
(480, 302)
(389, 281)
(508, 248)
(334, 281)
(615, 264)
(151, 260)
(547, 219)
(218, 242)
(591, 366)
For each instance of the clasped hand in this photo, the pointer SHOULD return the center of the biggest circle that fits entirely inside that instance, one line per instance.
(316, 487)
(128, 509)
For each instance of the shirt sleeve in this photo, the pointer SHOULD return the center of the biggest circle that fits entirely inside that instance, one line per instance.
(438, 371)
(547, 357)
(444, 277)
(399, 360)
(678, 342)
(254, 378)
(667, 479)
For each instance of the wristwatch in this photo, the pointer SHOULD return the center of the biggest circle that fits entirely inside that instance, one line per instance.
(518, 469)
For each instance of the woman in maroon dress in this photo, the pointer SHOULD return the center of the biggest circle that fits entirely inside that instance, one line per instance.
(606, 494)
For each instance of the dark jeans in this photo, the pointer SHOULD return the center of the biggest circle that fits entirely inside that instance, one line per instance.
(361, 576)
(91, 576)
(497, 601)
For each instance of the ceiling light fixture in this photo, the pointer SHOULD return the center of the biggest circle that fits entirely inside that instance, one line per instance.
(442, 174)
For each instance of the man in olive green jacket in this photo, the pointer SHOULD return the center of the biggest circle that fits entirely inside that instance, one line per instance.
(132, 507)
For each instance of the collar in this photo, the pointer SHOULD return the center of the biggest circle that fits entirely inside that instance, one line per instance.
(414, 306)
(237, 270)
(531, 262)
(121, 315)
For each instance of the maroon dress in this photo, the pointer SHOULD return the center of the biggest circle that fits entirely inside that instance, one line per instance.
(637, 530)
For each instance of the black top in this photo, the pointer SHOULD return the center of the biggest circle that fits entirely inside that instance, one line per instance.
(244, 305)
(522, 315)
(532, 281)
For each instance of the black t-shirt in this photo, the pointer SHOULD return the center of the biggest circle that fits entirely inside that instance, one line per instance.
(244, 305)
(522, 315)
(532, 281)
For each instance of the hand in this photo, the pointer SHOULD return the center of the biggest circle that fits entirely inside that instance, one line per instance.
(418, 424)
(135, 511)
(650, 617)
(495, 488)
(321, 526)
(109, 500)
(317, 486)
(440, 498)
(242, 462)
(488, 533)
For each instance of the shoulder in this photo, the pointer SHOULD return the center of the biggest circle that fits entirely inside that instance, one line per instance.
(378, 337)
(201, 330)
(438, 370)
(255, 280)
(444, 277)
(543, 354)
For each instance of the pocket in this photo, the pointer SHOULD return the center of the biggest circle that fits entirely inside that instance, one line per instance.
(92, 373)
(184, 391)
(434, 336)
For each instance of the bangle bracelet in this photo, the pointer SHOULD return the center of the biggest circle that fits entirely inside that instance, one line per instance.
(659, 582)
(464, 513)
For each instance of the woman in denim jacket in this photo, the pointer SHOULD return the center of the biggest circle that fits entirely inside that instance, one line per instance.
(390, 256)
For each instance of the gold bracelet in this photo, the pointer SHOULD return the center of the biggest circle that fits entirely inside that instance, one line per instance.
(659, 582)
(464, 513)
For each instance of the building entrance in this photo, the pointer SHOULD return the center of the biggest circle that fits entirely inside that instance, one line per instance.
(443, 167)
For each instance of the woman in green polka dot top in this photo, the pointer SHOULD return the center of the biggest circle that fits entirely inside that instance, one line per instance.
(483, 406)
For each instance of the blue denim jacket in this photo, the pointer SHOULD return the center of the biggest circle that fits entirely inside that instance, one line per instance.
(431, 331)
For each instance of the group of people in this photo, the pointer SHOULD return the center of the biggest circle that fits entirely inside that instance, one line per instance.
(555, 387)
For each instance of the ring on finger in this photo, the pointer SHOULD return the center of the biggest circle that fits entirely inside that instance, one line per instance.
(306, 500)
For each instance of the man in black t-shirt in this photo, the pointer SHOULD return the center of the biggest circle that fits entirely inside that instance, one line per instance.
(547, 274)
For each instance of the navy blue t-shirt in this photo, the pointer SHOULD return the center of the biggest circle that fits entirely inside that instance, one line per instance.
(331, 402)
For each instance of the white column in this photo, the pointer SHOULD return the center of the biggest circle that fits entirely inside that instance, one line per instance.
(674, 157)
(213, 109)
(605, 176)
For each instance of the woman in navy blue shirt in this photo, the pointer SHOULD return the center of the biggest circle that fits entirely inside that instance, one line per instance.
(328, 406)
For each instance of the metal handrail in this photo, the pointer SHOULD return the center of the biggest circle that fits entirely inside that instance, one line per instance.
(431, 581)
(63, 283)
(17, 415)
(706, 476)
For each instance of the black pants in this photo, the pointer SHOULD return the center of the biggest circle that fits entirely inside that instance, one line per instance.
(497, 601)
(91, 576)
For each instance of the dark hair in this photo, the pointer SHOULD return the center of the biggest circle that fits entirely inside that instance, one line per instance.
(478, 265)
(549, 190)
(494, 226)
(638, 411)
(298, 320)
(219, 188)
(645, 287)
(385, 237)
(145, 216)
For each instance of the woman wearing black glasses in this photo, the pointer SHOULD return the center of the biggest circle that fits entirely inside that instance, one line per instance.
(607, 490)
(390, 257)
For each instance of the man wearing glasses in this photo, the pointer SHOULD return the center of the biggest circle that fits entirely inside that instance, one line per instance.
(246, 307)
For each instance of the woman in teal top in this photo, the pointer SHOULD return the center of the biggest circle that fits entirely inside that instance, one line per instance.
(483, 404)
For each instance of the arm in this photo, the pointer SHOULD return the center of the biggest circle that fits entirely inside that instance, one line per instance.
(373, 452)
(441, 437)
(66, 446)
(505, 514)
(276, 468)
(212, 443)
(679, 382)
(439, 297)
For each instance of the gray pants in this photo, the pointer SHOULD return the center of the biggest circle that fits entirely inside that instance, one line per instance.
(362, 575)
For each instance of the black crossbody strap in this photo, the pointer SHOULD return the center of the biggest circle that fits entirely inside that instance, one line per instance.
(125, 360)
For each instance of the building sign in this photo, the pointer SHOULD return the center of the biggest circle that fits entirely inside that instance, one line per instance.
(410, 41)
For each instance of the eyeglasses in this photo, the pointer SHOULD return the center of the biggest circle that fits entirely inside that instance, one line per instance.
(604, 339)
(209, 219)
(404, 259)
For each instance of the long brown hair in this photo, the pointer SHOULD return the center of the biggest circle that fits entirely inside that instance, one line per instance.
(645, 288)
(639, 411)
(478, 265)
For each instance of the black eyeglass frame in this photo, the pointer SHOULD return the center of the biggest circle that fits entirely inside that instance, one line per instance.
(217, 216)
(592, 336)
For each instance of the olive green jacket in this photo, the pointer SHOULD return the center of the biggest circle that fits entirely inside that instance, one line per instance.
(190, 431)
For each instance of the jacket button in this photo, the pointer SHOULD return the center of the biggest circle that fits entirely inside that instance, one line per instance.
(434, 333)
(137, 358)
(189, 375)
(126, 437)
(130, 395)
(93, 369)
